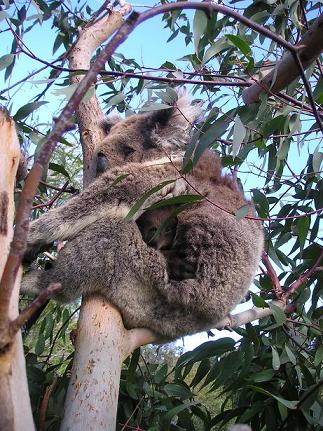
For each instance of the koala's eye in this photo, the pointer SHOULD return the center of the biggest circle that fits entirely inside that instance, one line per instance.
(127, 150)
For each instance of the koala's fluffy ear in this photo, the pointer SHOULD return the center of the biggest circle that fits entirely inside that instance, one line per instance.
(109, 122)
(173, 124)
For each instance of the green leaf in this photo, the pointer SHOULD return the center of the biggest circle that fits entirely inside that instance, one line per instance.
(119, 179)
(258, 301)
(273, 255)
(302, 226)
(240, 43)
(115, 100)
(27, 109)
(199, 26)
(3, 15)
(241, 212)
(174, 411)
(176, 200)
(290, 355)
(133, 364)
(201, 372)
(292, 405)
(263, 376)
(59, 168)
(275, 358)
(139, 203)
(278, 313)
(6, 60)
(317, 160)
(261, 203)
(239, 133)
(213, 348)
(318, 356)
(154, 107)
(289, 404)
(177, 390)
(283, 149)
(69, 90)
(161, 374)
(40, 345)
(214, 49)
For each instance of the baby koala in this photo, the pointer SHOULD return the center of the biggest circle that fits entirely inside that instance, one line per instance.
(158, 230)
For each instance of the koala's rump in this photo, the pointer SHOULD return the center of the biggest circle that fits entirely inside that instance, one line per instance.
(224, 251)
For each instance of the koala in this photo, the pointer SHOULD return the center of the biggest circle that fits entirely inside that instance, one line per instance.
(158, 228)
(202, 266)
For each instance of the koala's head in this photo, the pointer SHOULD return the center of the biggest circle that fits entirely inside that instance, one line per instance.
(143, 137)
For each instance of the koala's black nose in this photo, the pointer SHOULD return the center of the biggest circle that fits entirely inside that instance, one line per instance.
(102, 164)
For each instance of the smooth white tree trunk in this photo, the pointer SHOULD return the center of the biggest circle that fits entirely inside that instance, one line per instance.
(13, 376)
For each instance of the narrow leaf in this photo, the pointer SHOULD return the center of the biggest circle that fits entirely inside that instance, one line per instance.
(302, 226)
(240, 43)
(214, 49)
(177, 200)
(275, 358)
(239, 133)
(199, 26)
(26, 110)
(174, 411)
(139, 203)
(317, 160)
(241, 212)
(5, 61)
(154, 107)
(258, 301)
(290, 355)
(115, 100)
(59, 168)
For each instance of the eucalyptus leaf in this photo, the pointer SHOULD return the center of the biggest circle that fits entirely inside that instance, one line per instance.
(199, 26)
(239, 133)
(27, 109)
(241, 212)
(6, 60)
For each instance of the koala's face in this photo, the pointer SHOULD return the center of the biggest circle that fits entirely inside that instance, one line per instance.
(126, 141)
(146, 136)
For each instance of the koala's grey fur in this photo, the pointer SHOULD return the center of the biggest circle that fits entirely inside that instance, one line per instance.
(107, 254)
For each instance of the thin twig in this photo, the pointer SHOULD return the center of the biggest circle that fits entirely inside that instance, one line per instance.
(302, 278)
(53, 199)
(28, 312)
(273, 276)
(44, 404)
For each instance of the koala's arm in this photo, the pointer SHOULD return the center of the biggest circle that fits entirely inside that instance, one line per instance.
(110, 196)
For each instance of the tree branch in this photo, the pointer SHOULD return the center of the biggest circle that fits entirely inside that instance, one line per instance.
(273, 276)
(308, 49)
(302, 278)
(255, 313)
(29, 311)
